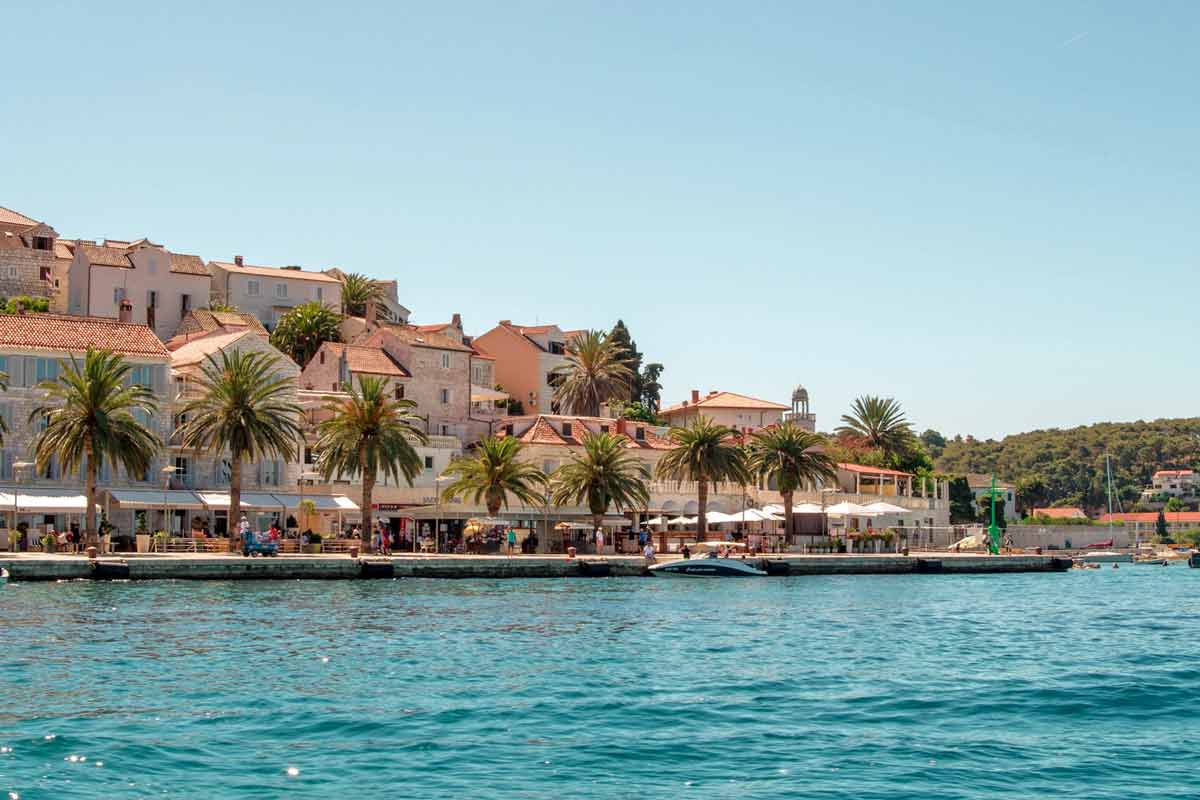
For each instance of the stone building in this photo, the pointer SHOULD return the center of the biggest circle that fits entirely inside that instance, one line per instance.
(33, 348)
(30, 258)
(163, 287)
(525, 358)
(270, 292)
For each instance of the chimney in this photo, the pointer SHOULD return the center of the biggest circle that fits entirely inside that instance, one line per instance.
(371, 315)
(506, 322)
(456, 321)
(126, 312)
(622, 425)
(237, 260)
(695, 396)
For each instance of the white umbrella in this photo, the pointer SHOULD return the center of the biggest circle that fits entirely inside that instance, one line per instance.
(887, 508)
(717, 517)
(656, 521)
(807, 508)
(682, 521)
(850, 509)
(773, 508)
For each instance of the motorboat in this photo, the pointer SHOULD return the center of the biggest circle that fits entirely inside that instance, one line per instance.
(711, 564)
(3, 576)
(705, 567)
(1105, 557)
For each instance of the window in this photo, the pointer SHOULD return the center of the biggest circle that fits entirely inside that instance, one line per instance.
(322, 357)
(445, 361)
(508, 429)
(399, 391)
(308, 455)
(12, 271)
(4, 364)
(46, 369)
(445, 429)
(640, 434)
(445, 397)
(43, 243)
(185, 303)
(428, 462)
(44, 274)
(604, 429)
(183, 469)
(320, 294)
(567, 428)
(557, 348)
(151, 299)
(253, 288)
(118, 295)
(281, 290)
(141, 376)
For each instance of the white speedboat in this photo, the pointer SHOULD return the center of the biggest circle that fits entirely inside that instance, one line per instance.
(3, 576)
(705, 567)
(1105, 557)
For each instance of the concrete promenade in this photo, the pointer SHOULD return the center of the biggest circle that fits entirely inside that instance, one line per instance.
(41, 567)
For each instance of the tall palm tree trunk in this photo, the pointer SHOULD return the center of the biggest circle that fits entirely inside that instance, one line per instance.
(789, 524)
(597, 522)
(235, 502)
(89, 519)
(701, 510)
(368, 514)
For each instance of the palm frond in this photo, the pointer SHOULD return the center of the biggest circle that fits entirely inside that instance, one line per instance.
(492, 473)
(368, 433)
(597, 370)
(606, 473)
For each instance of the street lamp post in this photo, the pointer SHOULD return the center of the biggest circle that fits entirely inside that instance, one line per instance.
(307, 475)
(167, 472)
(18, 467)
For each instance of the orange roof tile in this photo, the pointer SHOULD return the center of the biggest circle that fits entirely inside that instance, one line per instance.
(182, 264)
(863, 469)
(1151, 516)
(105, 256)
(1059, 513)
(76, 334)
(542, 432)
(1173, 473)
(367, 360)
(277, 272)
(413, 335)
(726, 400)
(10, 217)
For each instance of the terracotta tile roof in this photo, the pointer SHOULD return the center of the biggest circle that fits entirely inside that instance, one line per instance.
(863, 469)
(198, 349)
(1151, 517)
(373, 361)
(183, 264)
(202, 320)
(276, 272)
(63, 249)
(104, 255)
(542, 432)
(1174, 473)
(479, 352)
(726, 400)
(412, 334)
(528, 329)
(1059, 513)
(435, 328)
(10, 217)
(76, 334)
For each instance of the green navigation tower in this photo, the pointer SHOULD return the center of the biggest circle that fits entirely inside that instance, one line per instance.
(993, 530)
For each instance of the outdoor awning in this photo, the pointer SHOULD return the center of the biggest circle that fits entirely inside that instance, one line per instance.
(145, 498)
(251, 501)
(888, 508)
(482, 394)
(43, 501)
(323, 502)
(850, 509)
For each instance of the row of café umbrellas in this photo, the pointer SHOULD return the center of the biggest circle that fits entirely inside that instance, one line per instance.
(774, 513)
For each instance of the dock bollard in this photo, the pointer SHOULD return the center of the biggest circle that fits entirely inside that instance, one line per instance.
(570, 552)
(91, 553)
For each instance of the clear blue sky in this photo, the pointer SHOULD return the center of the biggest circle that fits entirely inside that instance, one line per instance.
(904, 199)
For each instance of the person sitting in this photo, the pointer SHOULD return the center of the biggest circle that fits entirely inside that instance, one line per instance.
(686, 552)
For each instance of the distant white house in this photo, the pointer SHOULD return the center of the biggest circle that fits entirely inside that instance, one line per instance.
(270, 292)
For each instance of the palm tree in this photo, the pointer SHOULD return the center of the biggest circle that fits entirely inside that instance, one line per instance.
(880, 422)
(597, 370)
(369, 433)
(357, 291)
(91, 414)
(792, 458)
(607, 473)
(302, 331)
(246, 408)
(492, 473)
(705, 453)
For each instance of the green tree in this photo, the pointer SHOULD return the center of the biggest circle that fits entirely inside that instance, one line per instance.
(368, 433)
(704, 453)
(607, 473)
(219, 305)
(91, 413)
(1160, 529)
(934, 442)
(33, 305)
(357, 291)
(962, 502)
(1032, 493)
(651, 389)
(246, 408)
(302, 331)
(791, 458)
(493, 472)
(880, 423)
(633, 359)
(596, 372)
(1174, 504)
(641, 413)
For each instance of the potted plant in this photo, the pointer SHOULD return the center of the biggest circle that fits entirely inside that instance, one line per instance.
(48, 543)
(14, 540)
(160, 541)
(142, 536)
(314, 543)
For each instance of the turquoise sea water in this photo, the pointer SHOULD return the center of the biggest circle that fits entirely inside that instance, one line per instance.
(1077, 685)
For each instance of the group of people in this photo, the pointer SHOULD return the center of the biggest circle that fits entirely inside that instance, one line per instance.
(69, 540)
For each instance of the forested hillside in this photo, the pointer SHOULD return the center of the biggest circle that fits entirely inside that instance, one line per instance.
(1067, 466)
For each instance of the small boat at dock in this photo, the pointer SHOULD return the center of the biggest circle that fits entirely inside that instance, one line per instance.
(1105, 557)
(711, 564)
